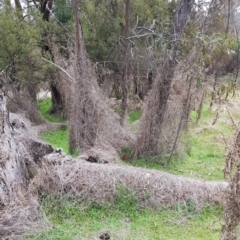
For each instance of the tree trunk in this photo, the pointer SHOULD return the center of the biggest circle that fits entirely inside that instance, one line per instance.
(12, 170)
(150, 136)
(57, 98)
(92, 123)
(18, 6)
(124, 64)
(57, 102)
(20, 152)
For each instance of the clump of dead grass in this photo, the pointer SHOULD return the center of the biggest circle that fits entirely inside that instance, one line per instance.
(23, 217)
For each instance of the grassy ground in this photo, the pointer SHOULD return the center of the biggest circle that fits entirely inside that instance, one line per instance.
(203, 158)
(44, 106)
(204, 150)
(124, 220)
(59, 138)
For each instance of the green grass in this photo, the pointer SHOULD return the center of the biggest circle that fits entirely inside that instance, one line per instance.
(58, 138)
(44, 107)
(134, 115)
(204, 149)
(124, 219)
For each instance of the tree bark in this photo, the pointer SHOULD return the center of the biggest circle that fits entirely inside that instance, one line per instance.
(18, 5)
(150, 136)
(24, 100)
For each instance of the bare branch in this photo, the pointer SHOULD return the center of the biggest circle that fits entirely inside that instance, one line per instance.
(60, 69)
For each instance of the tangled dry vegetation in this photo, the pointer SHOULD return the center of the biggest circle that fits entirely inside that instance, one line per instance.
(19, 153)
(232, 204)
(29, 165)
(63, 176)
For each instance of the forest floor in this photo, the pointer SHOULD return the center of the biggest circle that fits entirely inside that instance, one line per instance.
(202, 157)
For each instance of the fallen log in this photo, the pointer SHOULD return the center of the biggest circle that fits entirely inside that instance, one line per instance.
(63, 176)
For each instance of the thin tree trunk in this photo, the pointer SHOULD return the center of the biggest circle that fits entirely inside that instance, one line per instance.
(57, 98)
(79, 115)
(149, 137)
(124, 64)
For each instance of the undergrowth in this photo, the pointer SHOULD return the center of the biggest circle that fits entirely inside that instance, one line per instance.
(134, 115)
(124, 219)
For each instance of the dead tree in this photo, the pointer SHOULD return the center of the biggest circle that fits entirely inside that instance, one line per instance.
(151, 129)
(20, 212)
(93, 182)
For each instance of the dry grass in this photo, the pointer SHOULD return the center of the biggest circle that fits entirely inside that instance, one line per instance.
(22, 217)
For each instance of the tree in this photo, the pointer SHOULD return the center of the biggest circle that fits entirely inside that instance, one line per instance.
(149, 136)
(92, 123)
(125, 62)
(21, 63)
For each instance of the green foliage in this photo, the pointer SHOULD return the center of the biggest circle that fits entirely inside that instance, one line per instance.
(102, 28)
(117, 110)
(63, 11)
(126, 153)
(104, 22)
(134, 115)
(19, 51)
